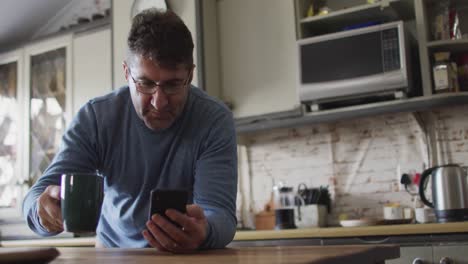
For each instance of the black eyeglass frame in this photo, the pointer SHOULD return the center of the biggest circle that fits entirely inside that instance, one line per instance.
(168, 89)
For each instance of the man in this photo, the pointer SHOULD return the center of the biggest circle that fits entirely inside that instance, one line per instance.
(157, 132)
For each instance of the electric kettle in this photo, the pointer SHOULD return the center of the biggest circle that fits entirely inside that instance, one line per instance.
(449, 192)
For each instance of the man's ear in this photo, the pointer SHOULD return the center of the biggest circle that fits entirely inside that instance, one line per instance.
(192, 72)
(125, 69)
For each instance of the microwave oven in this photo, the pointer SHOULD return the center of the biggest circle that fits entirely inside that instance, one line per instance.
(354, 64)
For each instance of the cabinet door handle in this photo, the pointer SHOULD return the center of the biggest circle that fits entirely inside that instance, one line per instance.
(418, 261)
(372, 241)
(445, 260)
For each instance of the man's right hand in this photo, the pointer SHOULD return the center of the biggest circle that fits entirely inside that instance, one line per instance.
(49, 211)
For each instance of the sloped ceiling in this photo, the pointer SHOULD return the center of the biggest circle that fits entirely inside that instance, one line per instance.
(20, 19)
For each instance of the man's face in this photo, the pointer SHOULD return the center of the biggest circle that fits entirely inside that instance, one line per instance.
(160, 109)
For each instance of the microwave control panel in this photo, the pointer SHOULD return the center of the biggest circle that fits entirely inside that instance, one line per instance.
(391, 49)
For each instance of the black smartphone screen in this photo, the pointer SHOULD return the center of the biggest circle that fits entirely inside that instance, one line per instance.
(163, 199)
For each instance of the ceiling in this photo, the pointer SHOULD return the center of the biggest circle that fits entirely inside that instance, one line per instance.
(20, 19)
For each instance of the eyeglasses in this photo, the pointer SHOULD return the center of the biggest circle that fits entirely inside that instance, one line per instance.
(150, 87)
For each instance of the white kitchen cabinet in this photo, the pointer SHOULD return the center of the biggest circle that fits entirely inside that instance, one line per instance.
(48, 97)
(416, 255)
(11, 128)
(42, 86)
(252, 48)
(92, 66)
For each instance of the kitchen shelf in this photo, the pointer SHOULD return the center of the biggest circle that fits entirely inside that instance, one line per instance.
(384, 10)
(422, 103)
(449, 45)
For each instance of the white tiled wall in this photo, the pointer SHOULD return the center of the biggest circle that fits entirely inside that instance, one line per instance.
(453, 134)
(361, 160)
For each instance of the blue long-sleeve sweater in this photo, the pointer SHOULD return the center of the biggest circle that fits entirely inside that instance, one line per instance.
(198, 152)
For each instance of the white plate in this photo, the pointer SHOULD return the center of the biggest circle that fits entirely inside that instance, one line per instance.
(357, 222)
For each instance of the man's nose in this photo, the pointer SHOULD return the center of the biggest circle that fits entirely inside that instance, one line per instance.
(159, 99)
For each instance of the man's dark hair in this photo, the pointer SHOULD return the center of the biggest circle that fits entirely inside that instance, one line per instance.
(161, 36)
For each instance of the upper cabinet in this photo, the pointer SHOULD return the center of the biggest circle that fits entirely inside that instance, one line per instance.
(92, 66)
(49, 101)
(250, 55)
(42, 86)
(11, 125)
(62, 74)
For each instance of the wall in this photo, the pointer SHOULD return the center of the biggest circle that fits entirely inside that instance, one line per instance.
(361, 160)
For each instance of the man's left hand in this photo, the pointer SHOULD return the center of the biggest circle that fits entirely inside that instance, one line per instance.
(165, 236)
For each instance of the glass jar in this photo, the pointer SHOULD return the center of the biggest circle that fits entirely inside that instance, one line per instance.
(284, 200)
(440, 24)
(445, 73)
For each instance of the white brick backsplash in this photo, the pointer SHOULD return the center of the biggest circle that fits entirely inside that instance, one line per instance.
(358, 159)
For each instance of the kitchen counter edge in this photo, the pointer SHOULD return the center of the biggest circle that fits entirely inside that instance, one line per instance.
(335, 232)
(328, 232)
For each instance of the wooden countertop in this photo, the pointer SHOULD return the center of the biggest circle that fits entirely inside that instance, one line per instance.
(369, 254)
(330, 232)
(51, 242)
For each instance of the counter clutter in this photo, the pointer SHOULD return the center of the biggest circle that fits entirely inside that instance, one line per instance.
(335, 232)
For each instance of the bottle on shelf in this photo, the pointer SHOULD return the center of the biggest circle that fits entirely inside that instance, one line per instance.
(446, 22)
(440, 26)
(318, 7)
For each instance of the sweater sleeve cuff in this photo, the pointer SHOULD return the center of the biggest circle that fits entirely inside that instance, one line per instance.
(35, 224)
(209, 236)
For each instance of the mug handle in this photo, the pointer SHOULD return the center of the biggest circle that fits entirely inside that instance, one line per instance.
(301, 185)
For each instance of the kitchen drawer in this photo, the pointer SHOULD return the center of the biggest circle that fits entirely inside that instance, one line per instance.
(417, 240)
(408, 255)
(276, 242)
(453, 254)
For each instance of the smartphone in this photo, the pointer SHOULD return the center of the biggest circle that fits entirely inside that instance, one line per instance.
(163, 199)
